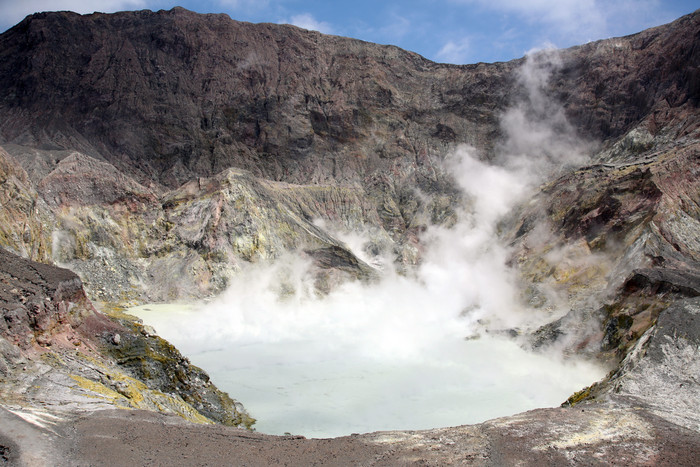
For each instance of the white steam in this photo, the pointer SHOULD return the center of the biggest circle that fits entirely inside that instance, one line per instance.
(462, 279)
(272, 320)
(539, 137)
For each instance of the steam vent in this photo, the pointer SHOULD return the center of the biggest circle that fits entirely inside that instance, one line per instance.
(227, 243)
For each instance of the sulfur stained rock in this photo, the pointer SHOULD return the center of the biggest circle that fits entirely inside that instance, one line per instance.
(64, 354)
(26, 222)
(615, 243)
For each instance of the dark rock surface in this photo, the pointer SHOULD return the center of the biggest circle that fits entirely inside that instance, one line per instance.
(196, 94)
(34, 298)
(170, 95)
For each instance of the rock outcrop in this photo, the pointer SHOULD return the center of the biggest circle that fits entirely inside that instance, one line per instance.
(26, 222)
(616, 240)
(59, 355)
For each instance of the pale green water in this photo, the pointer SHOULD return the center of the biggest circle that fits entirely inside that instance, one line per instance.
(322, 384)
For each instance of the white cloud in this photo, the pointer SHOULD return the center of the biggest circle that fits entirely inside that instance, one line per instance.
(562, 16)
(455, 51)
(396, 28)
(246, 6)
(12, 11)
(307, 21)
(580, 20)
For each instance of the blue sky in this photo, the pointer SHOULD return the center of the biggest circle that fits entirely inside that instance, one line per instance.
(455, 31)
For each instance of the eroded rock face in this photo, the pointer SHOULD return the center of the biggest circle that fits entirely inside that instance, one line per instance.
(171, 100)
(26, 222)
(661, 371)
(190, 241)
(197, 94)
(57, 351)
(617, 240)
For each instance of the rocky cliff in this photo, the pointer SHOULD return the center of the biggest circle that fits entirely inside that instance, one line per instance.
(150, 101)
(156, 153)
(58, 354)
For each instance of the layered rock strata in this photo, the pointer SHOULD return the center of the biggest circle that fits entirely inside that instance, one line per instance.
(59, 355)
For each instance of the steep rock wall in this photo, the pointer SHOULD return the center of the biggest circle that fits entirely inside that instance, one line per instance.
(58, 353)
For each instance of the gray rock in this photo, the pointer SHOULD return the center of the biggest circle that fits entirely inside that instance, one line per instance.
(662, 372)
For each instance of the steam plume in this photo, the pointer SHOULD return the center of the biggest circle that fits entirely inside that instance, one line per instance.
(461, 287)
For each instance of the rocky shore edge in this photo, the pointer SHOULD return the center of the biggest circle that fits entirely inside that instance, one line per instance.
(60, 355)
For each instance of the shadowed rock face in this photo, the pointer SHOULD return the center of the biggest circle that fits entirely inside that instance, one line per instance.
(170, 95)
(196, 94)
(155, 153)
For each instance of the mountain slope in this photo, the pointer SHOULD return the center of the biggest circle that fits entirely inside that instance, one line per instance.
(164, 97)
(170, 95)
